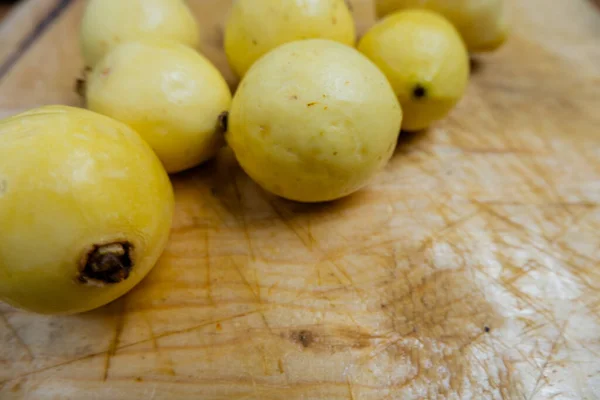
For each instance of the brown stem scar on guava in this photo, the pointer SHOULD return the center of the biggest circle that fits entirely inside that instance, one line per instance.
(81, 83)
(224, 121)
(419, 91)
(106, 264)
(80, 87)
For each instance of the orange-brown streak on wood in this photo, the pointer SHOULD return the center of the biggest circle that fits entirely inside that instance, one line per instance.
(165, 362)
(114, 344)
(207, 266)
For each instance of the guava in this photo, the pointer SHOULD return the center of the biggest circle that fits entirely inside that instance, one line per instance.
(107, 23)
(425, 60)
(85, 210)
(169, 93)
(256, 27)
(483, 24)
(313, 120)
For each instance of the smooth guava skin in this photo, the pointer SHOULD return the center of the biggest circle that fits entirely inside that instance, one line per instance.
(167, 92)
(256, 27)
(106, 23)
(71, 179)
(483, 24)
(313, 121)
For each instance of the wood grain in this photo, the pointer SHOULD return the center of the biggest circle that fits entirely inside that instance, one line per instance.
(468, 269)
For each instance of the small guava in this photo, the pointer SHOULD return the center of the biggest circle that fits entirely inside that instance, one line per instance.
(169, 93)
(425, 60)
(256, 27)
(107, 23)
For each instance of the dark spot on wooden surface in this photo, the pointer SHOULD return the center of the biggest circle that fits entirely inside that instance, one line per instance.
(311, 104)
(304, 337)
(294, 97)
(254, 42)
(486, 329)
(475, 64)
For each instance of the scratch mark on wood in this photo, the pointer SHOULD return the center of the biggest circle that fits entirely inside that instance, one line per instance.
(581, 271)
(105, 353)
(33, 36)
(530, 302)
(273, 287)
(447, 229)
(350, 390)
(553, 349)
(561, 204)
(498, 151)
(344, 273)
(114, 344)
(246, 282)
(319, 278)
(264, 359)
(242, 219)
(255, 388)
(151, 332)
(207, 266)
(17, 337)
(255, 292)
(289, 225)
(156, 348)
(572, 223)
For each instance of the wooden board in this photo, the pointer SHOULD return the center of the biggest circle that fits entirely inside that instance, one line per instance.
(470, 268)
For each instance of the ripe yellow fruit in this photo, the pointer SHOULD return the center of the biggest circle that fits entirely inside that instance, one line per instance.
(107, 23)
(255, 27)
(169, 93)
(85, 206)
(425, 60)
(483, 24)
(313, 121)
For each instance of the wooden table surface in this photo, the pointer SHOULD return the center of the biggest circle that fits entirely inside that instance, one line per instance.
(470, 268)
